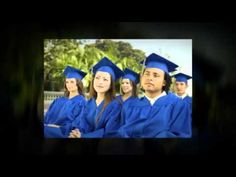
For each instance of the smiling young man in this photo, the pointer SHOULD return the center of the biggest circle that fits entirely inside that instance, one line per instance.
(158, 114)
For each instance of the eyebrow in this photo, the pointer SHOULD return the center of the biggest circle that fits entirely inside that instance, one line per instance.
(156, 73)
(104, 77)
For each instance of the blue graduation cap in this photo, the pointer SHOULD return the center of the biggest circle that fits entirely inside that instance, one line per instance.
(180, 77)
(71, 72)
(156, 61)
(133, 76)
(106, 65)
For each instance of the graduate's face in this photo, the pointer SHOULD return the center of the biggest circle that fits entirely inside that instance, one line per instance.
(102, 82)
(126, 86)
(180, 87)
(71, 84)
(152, 80)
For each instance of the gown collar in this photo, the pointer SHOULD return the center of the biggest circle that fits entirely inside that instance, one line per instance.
(153, 100)
(182, 96)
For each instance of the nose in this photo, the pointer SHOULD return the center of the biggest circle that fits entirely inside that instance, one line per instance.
(100, 81)
(149, 78)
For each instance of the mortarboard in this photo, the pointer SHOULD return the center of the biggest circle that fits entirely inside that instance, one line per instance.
(180, 77)
(156, 61)
(71, 72)
(129, 74)
(106, 65)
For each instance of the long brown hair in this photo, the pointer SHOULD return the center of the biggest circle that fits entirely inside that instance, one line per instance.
(109, 95)
(79, 85)
(134, 88)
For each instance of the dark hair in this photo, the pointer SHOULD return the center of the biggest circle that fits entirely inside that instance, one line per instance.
(167, 78)
(79, 85)
(134, 88)
(109, 95)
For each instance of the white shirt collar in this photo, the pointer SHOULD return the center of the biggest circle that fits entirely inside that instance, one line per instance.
(182, 96)
(153, 100)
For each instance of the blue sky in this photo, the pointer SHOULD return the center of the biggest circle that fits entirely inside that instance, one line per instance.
(178, 51)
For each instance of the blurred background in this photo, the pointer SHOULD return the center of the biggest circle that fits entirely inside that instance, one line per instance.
(25, 76)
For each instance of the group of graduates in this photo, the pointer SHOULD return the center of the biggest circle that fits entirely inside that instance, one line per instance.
(157, 114)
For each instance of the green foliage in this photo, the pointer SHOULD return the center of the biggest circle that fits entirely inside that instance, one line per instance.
(58, 53)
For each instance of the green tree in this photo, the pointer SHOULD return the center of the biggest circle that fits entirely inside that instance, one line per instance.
(121, 53)
(58, 53)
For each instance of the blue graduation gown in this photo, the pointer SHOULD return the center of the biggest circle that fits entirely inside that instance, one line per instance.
(130, 100)
(168, 117)
(127, 101)
(109, 120)
(188, 100)
(119, 98)
(62, 112)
